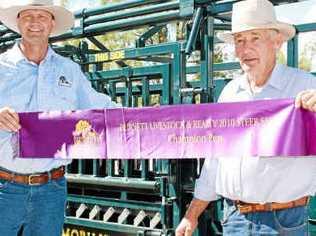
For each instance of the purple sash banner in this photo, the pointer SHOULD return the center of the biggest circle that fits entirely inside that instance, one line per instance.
(258, 128)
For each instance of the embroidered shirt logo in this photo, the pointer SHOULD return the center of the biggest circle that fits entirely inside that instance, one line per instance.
(64, 82)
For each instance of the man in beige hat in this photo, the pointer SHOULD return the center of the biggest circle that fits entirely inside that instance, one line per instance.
(262, 196)
(35, 78)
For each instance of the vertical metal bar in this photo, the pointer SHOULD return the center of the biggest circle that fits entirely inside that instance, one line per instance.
(93, 80)
(110, 167)
(110, 163)
(292, 52)
(84, 49)
(112, 87)
(134, 100)
(145, 91)
(198, 18)
(129, 93)
(145, 98)
(129, 102)
(207, 82)
(100, 84)
(178, 73)
(145, 170)
(80, 167)
(166, 85)
(95, 167)
(183, 66)
(127, 173)
(163, 194)
(127, 168)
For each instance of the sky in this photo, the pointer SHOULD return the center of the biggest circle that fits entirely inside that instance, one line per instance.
(297, 13)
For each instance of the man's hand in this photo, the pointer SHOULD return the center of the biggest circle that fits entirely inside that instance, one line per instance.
(307, 100)
(186, 227)
(9, 120)
(190, 220)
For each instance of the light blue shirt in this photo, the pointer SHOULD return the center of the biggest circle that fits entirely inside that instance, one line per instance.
(56, 84)
(258, 179)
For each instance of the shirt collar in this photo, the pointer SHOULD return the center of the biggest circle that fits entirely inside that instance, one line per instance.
(244, 84)
(274, 81)
(15, 54)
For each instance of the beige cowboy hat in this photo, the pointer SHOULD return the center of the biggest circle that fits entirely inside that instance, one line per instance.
(64, 19)
(256, 14)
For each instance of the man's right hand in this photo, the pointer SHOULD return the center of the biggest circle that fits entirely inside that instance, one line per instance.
(190, 220)
(9, 120)
(186, 227)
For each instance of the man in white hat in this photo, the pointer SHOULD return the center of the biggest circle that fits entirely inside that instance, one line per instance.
(262, 196)
(35, 78)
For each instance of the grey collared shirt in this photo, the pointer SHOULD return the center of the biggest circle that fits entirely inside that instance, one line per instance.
(258, 179)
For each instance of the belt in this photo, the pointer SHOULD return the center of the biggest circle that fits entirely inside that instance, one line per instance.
(253, 207)
(33, 179)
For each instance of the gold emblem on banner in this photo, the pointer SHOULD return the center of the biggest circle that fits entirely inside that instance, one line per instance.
(85, 134)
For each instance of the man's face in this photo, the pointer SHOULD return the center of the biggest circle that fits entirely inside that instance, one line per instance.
(35, 25)
(257, 49)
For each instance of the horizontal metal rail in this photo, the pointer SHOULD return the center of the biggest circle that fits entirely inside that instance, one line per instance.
(131, 13)
(121, 182)
(113, 227)
(136, 205)
(115, 7)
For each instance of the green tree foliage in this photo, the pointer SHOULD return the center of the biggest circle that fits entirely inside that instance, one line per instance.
(307, 55)
(305, 63)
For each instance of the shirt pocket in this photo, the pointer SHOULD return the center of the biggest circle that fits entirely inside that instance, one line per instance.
(65, 98)
(19, 102)
(6, 87)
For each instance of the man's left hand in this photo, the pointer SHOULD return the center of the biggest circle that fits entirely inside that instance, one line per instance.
(307, 100)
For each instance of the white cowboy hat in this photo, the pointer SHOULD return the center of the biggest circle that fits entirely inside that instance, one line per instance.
(64, 19)
(256, 14)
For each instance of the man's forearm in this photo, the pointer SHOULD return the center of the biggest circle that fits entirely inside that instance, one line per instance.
(196, 208)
